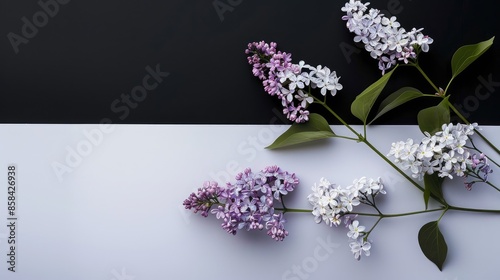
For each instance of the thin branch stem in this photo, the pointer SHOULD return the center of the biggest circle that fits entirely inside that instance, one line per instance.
(373, 227)
(416, 65)
(475, 148)
(493, 186)
(293, 210)
(395, 215)
(493, 211)
(363, 139)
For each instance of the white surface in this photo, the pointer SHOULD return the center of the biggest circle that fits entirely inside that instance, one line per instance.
(118, 214)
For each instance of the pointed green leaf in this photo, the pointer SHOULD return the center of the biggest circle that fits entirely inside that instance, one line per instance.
(396, 99)
(432, 243)
(363, 103)
(316, 128)
(432, 119)
(465, 55)
(432, 185)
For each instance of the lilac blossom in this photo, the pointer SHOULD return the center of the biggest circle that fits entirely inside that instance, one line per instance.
(444, 153)
(248, 203)
(383, 37)
(276, 227)
(334, 204)
(204, 198)
(360, 247)
(288, 81)
(479, 168)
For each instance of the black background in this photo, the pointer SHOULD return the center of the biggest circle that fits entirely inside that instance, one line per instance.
(91, 52)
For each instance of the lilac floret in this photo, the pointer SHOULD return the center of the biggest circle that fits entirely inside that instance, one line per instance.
(203, 200)
(383, 37)
(288, 81)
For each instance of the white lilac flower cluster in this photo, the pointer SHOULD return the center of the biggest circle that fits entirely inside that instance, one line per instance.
(383, 37)
(290, 82)
(444, 152)
(334, 204)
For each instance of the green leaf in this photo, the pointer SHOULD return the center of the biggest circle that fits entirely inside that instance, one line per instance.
(363, 103)
(396, 99)
(432, 184)
(432, 119)
(316, 128)
(432, 243)
(465, 55)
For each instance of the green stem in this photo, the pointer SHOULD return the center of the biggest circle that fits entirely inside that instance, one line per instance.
(448, 207)
(296, 210)
(493, 186)
(363, 139)
(451, 207)
(398, 214)
(346, 137)
(474, 174)
(447, 86)
(392, 164)
(475, 148)
(373, 227)
(494, 162)
(442, 214)
(427, 77)
(453, 107)
(282, 201)
(284, 210)
(322, 103)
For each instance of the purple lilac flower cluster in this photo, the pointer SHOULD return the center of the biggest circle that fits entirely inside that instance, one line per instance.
(479, 169)
(383, 37)
(289, 81)
(248, 203)
(204, 199)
